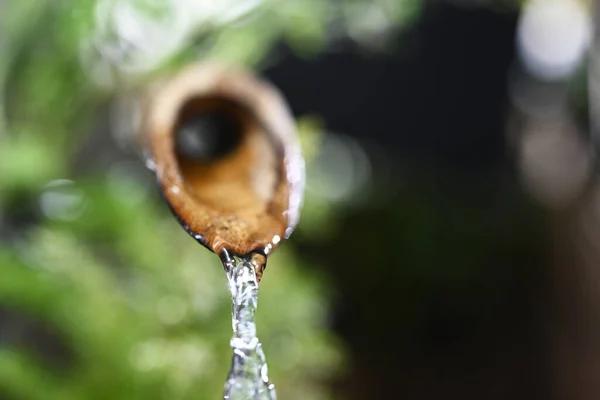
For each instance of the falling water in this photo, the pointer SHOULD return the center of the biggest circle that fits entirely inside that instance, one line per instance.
(248, 378)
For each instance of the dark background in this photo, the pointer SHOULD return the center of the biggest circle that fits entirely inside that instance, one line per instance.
(443, 298)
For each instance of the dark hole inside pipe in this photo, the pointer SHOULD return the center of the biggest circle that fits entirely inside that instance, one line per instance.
(207, 133)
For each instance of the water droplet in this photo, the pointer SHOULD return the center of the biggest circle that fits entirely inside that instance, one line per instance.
(148, 159)
(264, 373)
(268, 249)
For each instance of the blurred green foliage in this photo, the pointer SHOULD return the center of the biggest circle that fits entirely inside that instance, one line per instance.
(145, 311)
(133, 307)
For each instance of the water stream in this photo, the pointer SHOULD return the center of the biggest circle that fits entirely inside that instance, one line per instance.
(248, 378)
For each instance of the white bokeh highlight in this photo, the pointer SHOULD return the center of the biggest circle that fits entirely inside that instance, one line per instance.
(553, 37)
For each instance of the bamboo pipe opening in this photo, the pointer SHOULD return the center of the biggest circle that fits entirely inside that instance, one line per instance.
(227, 158)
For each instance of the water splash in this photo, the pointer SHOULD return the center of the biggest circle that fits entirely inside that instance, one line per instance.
(248, 377)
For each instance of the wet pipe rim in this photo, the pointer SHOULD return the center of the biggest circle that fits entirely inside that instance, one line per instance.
(226, 256)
